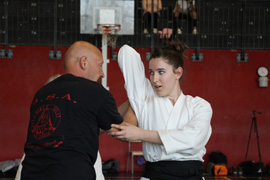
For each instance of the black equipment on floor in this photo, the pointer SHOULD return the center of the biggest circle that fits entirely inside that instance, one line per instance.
(254, 125)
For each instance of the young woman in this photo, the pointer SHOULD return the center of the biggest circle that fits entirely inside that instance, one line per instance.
(173, 127)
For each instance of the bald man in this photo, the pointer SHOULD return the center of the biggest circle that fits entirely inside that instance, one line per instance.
(65, 117)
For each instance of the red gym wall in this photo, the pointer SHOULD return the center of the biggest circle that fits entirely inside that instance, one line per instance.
(230, 86)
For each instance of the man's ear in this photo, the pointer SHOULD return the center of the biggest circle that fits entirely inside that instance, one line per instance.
(178, 72)
(83, 62)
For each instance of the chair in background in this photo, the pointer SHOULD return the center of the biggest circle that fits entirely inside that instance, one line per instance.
(132, 153)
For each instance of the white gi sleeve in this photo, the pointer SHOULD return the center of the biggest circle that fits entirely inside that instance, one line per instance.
(133, 71)
(193, 137)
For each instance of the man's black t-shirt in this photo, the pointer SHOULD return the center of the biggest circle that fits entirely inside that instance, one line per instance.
(62, 139)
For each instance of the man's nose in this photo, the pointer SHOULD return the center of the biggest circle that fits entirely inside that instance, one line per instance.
(102, 75)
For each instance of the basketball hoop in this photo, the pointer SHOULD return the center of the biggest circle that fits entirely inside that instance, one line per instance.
(111, 31)
(108, 28)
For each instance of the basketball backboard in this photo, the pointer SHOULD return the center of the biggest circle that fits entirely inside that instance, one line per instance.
(95, 12)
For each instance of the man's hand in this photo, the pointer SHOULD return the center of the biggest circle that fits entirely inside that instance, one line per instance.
(126, 132)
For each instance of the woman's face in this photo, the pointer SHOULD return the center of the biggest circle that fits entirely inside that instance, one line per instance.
(164, 79)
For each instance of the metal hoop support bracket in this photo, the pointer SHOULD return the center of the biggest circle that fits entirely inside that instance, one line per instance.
(108, 31)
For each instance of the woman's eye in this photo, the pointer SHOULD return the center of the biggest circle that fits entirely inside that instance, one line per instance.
(161, 72)
(151, 72)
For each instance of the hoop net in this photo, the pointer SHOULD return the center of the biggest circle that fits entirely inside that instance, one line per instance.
(111, 30)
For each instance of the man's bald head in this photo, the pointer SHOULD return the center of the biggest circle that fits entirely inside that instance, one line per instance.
(85, 60)
(77, 50)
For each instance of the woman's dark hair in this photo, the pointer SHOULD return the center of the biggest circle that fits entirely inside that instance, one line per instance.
(173, 53)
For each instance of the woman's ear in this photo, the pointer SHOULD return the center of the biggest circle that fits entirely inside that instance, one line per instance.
(83, 62)
(178, 72)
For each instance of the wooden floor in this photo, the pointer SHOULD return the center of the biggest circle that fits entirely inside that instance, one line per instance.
(137, 175)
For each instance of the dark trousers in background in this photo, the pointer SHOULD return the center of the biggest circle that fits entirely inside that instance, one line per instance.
(147, 21)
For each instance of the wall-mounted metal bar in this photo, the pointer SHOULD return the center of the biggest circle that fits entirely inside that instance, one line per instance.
(114, 55)
(55, 54)
(6, 53)
(147, 56)
(242, 57)
(197, 56)
(152, 27)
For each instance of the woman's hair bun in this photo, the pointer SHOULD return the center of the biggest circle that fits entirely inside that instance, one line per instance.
(177, 45)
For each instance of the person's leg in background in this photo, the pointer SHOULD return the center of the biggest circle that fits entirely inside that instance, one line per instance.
(98, 168)
(193, 15)
(147, 22)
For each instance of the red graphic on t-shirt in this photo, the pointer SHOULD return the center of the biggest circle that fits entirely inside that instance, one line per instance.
(45, 121)
(52, 97)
